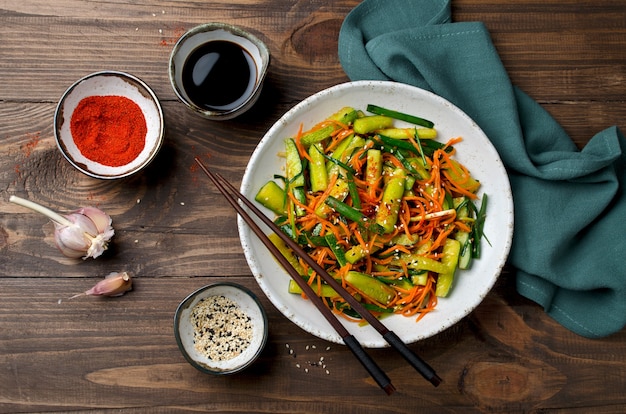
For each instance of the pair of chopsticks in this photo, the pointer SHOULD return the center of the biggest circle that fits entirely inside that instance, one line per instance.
(232, 195)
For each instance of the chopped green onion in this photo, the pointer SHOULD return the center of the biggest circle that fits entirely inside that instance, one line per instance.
(338, 163)
(353, 214)
(477, 230)
(399, 115)
(354, 193)
(397, 143)
(419, 144)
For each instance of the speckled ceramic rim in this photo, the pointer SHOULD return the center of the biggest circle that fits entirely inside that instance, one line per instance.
(109, 83)
(205, 291)
(202, 34)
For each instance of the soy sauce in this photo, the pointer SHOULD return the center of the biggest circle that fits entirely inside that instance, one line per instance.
(219, 75)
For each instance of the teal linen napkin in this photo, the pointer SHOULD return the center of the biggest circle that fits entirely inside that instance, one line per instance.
(569, 242)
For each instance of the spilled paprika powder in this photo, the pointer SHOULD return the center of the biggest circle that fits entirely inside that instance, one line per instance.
(110, 130)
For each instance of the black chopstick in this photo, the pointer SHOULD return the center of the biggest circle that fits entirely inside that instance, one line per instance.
(422, 367)
(372, 368)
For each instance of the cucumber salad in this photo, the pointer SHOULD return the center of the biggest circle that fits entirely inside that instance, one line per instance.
(388, 211)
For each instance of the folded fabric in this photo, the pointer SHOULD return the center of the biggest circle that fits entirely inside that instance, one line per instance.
(569, 239)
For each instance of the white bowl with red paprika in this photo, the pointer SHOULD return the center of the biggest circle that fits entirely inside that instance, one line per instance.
(109, 125)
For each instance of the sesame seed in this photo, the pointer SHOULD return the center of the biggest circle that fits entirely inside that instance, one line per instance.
(222, 330)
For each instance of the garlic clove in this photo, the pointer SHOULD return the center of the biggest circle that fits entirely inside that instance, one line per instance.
(85, 232)
(84, 235)
(114, 284)
(77, 236)
(84, 223)
(59, 240)
(96, 225)
(101, 220)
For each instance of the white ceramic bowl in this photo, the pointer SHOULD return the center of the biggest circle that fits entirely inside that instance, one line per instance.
(247, 303)
(475, 151)
(109, 83)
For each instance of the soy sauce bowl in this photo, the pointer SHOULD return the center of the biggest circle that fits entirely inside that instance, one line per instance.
(205, 343)
(109, 84)
(217, 70)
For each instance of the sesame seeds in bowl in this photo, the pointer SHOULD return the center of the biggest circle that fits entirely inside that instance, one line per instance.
(221, 328)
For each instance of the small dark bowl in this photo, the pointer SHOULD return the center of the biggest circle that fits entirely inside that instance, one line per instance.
(210, 32)
(247, 302)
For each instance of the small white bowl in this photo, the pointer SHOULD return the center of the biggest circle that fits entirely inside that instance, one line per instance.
(109, 83)
(210, 32)
(246, 303)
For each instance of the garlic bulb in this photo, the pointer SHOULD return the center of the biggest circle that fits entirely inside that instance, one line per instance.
(85, 232)
(114, 284)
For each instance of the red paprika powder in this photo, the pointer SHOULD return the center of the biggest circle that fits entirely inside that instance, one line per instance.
(110, 130)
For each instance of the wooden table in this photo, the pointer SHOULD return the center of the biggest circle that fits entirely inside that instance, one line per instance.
(175, 233)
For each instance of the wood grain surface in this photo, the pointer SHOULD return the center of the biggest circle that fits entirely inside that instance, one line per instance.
(175, 233)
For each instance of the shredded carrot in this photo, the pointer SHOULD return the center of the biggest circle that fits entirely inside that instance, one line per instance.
(392, 159)
(359, 238)
(382, 261)
(322, 198)
(388, 273)
(462, 226)
(453, 141)
(343, 134)
(301, 150)
(298, 203)
(395, 249)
